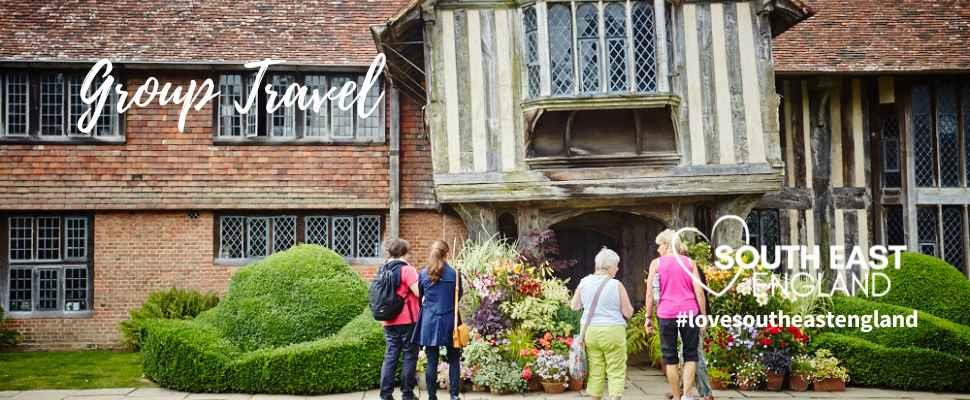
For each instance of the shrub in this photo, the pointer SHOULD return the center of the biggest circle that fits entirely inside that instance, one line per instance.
(932, 332)
(928, 284)
(299, 295)
(907, 368)
(167, 304)
(208, 355)
(7, 337)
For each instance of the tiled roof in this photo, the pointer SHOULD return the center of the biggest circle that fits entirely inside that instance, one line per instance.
(878, 36)
(316, 32)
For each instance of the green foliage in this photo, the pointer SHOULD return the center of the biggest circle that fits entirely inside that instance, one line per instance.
(8, 338)
(477, 257)
(503, 376)
(927, 284)
(932, 332)
(751, 372)
(802, 365)
(166, 304)
(299, 295)
(719, 374)
(309, 336)
(827, 367)
(637, 339)
(519, 339)
(907, 368)
(567, 317)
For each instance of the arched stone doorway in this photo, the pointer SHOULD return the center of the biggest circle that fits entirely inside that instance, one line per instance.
(630, 235)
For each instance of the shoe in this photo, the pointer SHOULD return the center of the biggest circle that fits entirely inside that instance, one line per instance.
(687, 397)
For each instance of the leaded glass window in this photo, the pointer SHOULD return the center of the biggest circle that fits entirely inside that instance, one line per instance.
(230, 120)
(342, 121)
(52, 105)
(763, 226)
(284, 233)
(947, 134)
(927, 225)
(614, 24)
(17, 96)
(343, 235)
(952, 235)
(318, 230)
(317, 124)
(232, 237)
(283, 119)
(890, 150)
(75, 105)
(894, 226)
(966, 128)
(48, 264)
(588, 40)
(372, 126)
(923, 137)
(368, 236)
(257, 229)
(530, 26)
(243, 238)
(644, 47)
(561, 49)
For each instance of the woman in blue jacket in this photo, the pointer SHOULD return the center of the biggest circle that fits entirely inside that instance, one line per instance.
(436, 324)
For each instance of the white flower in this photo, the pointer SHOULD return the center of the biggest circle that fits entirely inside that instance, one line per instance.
(761, 298)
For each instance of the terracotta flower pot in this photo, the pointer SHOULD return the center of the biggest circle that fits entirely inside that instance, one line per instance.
(576, 384)
(554, 387)
(479, 388)
(535, 384)
(718, 384)
(798, 383)
(830, 385)
(747, 386)
(775, 381)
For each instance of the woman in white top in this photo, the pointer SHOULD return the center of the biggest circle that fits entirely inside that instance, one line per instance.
(606, 335)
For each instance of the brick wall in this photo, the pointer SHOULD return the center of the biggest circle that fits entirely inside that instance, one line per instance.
(420, 228)
(417, 187)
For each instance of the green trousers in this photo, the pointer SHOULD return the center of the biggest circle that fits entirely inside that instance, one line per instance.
(606, 355)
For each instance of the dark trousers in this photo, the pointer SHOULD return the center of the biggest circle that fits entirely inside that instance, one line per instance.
(689, 337)
(398, 339)
(454, 371)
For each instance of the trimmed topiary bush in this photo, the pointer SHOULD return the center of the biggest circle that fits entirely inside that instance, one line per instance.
(932, 332)
(166, 304)
(298, 295)
(295, 322)
(928, 284)
(908, 368)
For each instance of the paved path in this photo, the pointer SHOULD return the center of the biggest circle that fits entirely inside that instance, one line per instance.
(642, 384)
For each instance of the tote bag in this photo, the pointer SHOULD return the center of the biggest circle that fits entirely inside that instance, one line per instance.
(577, 353)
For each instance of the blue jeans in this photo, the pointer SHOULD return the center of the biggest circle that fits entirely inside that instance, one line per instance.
(398, 339)
(454, 371)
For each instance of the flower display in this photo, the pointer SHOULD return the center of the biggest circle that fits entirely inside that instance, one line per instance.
(552, 366)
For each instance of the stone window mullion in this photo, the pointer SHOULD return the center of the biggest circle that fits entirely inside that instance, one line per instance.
(660, 38)
(545, 78)
(603, 61)
(630, 75)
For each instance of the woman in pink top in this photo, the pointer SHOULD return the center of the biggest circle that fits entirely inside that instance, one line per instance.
(679, 296)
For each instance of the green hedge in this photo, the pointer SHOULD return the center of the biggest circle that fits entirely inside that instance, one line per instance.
(299, 295)
(932, 332)
(166, 304)
(907, 368)
(928, 284)
(191, 356)
(295, 323)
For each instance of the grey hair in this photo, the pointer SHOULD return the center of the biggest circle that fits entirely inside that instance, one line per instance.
(667, 237)
(606, 259)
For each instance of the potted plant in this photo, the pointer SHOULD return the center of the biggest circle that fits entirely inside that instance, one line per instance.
(802, 373)
(720, 378)
(829, 375)
(750, 375)
(553, 369)
(532, 379)
(776, 364)
(501, 377)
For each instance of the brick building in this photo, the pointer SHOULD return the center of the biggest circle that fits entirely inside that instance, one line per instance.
(605, 121)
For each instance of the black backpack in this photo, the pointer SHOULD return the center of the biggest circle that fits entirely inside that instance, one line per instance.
(384, 301)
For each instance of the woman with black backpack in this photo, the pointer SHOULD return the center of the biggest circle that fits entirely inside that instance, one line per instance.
(398, 325)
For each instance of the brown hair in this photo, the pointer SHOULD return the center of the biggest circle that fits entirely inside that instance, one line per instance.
(436, 259)
(396, 248)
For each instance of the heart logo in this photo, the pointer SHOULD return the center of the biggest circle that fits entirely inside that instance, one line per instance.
(686, 268)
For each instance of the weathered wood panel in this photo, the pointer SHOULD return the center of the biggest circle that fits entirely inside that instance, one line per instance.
(737, 106)
(722, 85)
(695, 101)
(477, 92)
(452, 113)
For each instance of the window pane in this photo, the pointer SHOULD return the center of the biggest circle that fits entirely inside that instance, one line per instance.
(770, 232)
(343, 121)
(316, 118)
(644, 46)
(17, 94)
(284, 233)
(588, 31)
(561, 49)
(318, 231)
(370, 127)
(21, 231)
(895, 234)
(21, 283)
(75, 289)
(76, 106)
(368, 236)
(966, 127)
(231, 237)
(343, 236)
(949, 140)
(76, 237)
(953, 239)
(282, 120)
(252, 122)
(258, 237)
(48, 238)
(530, 26)
(52, 105)
(230, 121)
(928, 227)
(923, 137)
(890, 150)
(614, 17)
(108, 118)
(47, 290)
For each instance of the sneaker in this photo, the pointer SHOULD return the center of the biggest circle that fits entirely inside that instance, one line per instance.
(687, 397)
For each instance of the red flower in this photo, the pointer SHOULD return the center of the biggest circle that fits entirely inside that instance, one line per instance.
(774, 330)
(527, 374)
(794, 331)
(766, 342)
